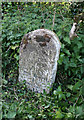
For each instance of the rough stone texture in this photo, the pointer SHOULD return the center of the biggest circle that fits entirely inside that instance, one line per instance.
(38, 59)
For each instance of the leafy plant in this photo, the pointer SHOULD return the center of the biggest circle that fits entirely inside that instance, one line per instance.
(66, 98)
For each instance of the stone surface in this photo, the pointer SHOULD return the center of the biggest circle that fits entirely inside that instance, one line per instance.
(39, 52)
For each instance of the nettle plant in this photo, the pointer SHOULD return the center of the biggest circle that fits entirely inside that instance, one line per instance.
(66, 98)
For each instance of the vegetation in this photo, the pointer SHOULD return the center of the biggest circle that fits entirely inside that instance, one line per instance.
(66, 97)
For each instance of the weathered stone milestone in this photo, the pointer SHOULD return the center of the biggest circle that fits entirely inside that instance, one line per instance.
(39, 52)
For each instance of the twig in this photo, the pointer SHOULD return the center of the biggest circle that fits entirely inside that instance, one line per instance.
(61, 15)
(42, 14)
(53, 20)
(67, 110)
(76, 101)
(8, 48)
(15, 94)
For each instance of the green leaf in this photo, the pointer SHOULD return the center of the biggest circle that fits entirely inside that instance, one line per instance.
(69, 115)
(79, 44)
(59, 33)
(62, 55)
(68, 94)
(67, 52)
(30, 116)
(14, 47)
(77, 86)
(70, 87)
(66, 39)
(59, 89)
(59, 114)
(8, 44)
(16, 56)
(62, 45)
(61, 96)
(79, 111)
(5, 81)
(72, 64)
(47, 106)
(72, 109)
(11, 114)
(61, 58)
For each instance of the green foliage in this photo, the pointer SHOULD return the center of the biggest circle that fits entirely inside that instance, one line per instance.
(67, 97)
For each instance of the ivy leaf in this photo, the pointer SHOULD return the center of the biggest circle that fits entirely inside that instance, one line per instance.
(72, 64)
(67, 52)
(79, 111)
(8, 44)
(5, 81)
(11, 114)
(59, 114)
(61, 95)
(30, 116)
(68, 94)
(59, 33)
(62, 45)
(77, 86)
(70, 87)
(47, 106)
(79, 44)
(61, 58)
(14, 47)
(66, 39)
(16, 56)
(69, 115)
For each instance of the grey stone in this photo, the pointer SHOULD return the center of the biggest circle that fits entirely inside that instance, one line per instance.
(39, 52)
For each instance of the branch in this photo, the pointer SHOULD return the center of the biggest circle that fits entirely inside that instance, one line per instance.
(61, 15)
(15, 94)
(53, 20)
(76, 101)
